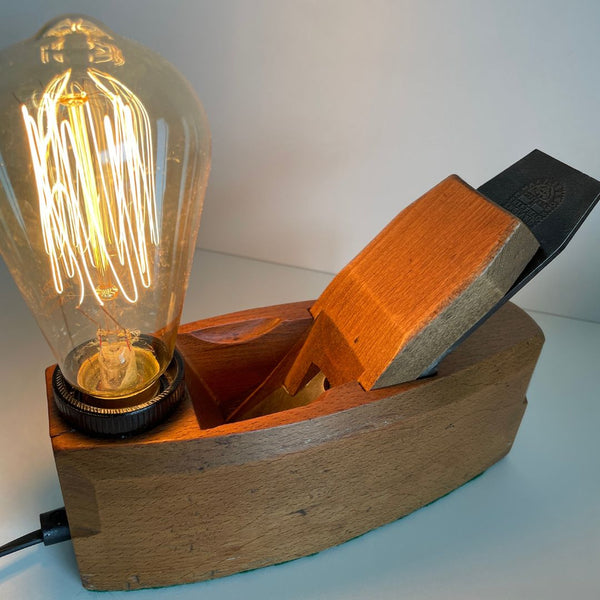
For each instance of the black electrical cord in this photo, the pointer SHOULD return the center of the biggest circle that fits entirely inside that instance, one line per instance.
(54, 528)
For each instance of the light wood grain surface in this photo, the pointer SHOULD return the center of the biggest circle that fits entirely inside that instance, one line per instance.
(183, 503)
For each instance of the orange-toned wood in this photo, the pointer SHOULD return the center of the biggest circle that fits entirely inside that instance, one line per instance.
(422, 283)
(223, 361)
(187, 502)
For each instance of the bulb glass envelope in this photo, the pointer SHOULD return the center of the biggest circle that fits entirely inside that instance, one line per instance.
(104, 161)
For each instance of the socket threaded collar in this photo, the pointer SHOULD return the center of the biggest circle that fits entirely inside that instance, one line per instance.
(120, 421)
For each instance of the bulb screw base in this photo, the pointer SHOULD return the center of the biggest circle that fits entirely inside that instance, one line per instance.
(105, 421)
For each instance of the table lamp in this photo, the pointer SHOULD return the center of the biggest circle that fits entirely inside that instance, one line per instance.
(271, 433)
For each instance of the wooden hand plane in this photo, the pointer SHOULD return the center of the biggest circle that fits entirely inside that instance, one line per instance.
(309, 424)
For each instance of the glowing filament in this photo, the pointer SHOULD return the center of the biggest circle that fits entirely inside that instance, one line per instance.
(91, 149)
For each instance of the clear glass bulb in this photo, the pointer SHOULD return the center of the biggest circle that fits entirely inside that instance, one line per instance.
(104, 160)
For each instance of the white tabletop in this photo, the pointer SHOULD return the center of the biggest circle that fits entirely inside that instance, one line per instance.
(528, 528)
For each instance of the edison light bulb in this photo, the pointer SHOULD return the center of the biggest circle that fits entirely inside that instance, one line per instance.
(104, 160)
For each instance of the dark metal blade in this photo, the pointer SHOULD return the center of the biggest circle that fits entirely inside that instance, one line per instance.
(552, 199)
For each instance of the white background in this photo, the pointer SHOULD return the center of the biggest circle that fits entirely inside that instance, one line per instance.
(328, 117)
